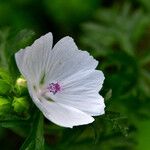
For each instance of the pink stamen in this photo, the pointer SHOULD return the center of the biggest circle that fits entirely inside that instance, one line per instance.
(54, 88)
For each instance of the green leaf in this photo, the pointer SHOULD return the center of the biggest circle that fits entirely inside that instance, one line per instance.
(4, 87)
(5, 75)
(10, 120)
(3, 40)
(35, 140)
(4, 105)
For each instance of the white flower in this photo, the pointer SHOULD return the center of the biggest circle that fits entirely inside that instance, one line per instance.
(62, 81)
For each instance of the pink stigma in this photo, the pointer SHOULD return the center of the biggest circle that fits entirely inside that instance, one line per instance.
(54, 88)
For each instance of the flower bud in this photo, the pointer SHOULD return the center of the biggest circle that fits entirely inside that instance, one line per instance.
(5, 105)
(21, 85)
(20, 105)
(21, 82)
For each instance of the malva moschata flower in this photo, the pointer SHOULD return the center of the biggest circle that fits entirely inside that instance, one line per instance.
(62, 81)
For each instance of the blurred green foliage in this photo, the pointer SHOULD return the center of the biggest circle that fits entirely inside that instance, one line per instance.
(117, 33)
(117, 38)
(70, 12)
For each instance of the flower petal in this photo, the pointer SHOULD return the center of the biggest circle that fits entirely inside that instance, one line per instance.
(32, 60)
(60, 114)
(81, 91)
(64, 115)
(67, 60)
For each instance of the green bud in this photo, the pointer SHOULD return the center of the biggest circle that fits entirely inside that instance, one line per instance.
(21, 82)
(21, 85)
(20, 105)
(4, 87)
(5, 105)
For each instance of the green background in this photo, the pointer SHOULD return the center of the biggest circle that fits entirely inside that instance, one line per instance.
(117, 34)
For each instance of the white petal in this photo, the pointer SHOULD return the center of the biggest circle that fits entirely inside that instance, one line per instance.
(67, 60)
(81, 91)
(60, 114)
(32, 60)
(64, 115)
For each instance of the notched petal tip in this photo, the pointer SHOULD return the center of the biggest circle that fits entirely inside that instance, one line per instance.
(47, 36)
(102, 76)
(65, 42)
(67, 39)
(102, 110)
(100, 79)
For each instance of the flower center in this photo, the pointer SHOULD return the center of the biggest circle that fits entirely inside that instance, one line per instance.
(54, 88)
